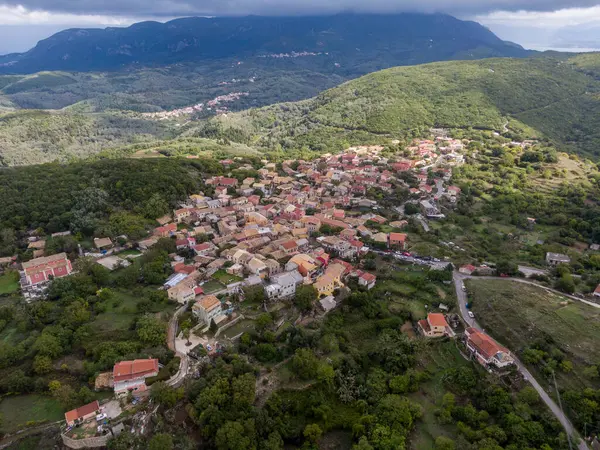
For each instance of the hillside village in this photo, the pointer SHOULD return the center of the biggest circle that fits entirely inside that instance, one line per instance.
(299, 230)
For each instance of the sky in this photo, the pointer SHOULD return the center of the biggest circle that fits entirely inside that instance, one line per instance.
(536, 24)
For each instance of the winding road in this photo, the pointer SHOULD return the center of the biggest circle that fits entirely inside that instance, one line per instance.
(184, 361)
(464, 312)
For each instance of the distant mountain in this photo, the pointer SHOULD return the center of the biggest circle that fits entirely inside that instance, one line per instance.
(353, 43)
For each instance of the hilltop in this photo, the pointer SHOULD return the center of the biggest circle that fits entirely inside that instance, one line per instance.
(555, 98)
(357, 43)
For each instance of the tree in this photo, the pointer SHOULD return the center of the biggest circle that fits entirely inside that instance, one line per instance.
(411, 209)
(151, 331)
(48, 345)
(313, 433)
(254, 294)
(566, 283)
(124, 441)
(263, 321)
(305, 364)
(42, 364)
(165, 395)
(273, 442)
(363, 444)
(161, 441)
(186, 335)
(444, 443)
(238, 435)
(305, 297)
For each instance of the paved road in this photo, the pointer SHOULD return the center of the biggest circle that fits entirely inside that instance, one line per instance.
(462, 303)
(184, 361)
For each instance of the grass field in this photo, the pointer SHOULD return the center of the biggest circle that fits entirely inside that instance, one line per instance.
(9, 283)
(212, 286)
(18, 410)
(224, 278)
(519, 315)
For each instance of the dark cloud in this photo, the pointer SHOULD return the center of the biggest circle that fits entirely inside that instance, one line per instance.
(170, 8)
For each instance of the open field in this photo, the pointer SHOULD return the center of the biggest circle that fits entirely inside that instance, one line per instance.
(9, 283)
(18, 410)
(520, 315)
(224, 278)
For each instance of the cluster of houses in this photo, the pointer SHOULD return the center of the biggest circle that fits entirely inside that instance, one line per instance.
(481, 347)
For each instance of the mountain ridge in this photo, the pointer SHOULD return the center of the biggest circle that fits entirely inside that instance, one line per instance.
(347, 39)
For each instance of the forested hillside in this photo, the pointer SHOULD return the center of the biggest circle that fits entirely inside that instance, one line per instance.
(358, 42)
(556, 98)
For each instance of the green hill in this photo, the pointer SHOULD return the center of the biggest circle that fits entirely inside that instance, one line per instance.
(552, 97)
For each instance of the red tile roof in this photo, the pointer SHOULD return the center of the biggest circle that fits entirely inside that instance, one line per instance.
(129, 370)
(82, 411)
(368, 277)
(437, 320)
(484, 344)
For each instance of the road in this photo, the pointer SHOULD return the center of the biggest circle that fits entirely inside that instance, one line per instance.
(464, 312)
(184, 362)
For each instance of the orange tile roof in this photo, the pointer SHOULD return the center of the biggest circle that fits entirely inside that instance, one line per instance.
(128, 370)
(82, 411)
(437, 320)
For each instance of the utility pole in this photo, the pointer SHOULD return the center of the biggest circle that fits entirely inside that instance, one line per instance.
(561, 408)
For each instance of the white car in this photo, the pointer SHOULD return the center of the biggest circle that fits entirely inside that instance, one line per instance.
(100, 417)
(471, 315)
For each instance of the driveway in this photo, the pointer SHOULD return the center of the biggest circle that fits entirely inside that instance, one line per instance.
(112, 409)
(462, 303)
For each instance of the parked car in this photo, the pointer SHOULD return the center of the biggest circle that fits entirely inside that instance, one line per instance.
(100, 417)
(471, 315)
(406, 254)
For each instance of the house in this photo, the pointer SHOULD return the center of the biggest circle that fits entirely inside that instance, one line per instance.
(39, 270)
(182, 287)
(182, 214)
(597, 291)
(207, 308)
(367, 280)
(305, 264)
(487, 351)
(257, 267)
(330, 280)
(165, 231)
(102, 243)
(554, 259)
(328, 303)
(467, 269)
(435, 326)
(130, 376)
(81, 414)
(397, 240)
(283, 285)
(289, 246)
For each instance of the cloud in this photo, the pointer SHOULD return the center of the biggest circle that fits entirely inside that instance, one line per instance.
(161, 8)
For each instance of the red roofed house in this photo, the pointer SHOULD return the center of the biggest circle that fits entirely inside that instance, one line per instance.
(397, 240)
(468, 269)
(289, 247)
(402, 166)
(597, 291)
(166, 230)
(486, 350)
(130, 376)
(82, 413)
(435, 326)
(41, 269)
(367, 279)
